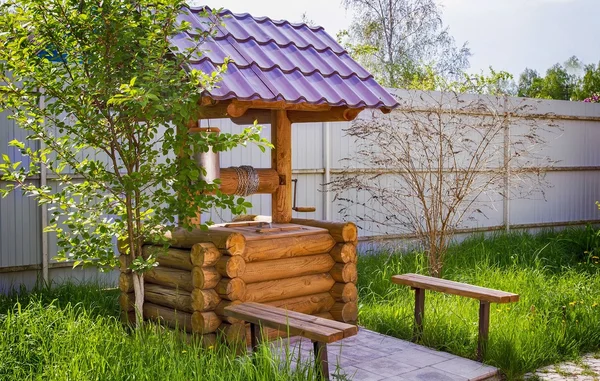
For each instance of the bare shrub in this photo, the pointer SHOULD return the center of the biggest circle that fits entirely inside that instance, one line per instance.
(440, 159)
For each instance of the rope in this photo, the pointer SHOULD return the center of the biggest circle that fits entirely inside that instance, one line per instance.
(247, 180)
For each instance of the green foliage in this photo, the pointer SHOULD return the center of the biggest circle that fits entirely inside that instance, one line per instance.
(495, 83)
(569, 81)
(73, 333)
(556, 274)
(590, 83)
(105, 101)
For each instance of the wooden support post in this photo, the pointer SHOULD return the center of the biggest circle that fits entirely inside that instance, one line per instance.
(255, 336)
(484, 328)
(419, 313)
(321, 360)
(281, 161)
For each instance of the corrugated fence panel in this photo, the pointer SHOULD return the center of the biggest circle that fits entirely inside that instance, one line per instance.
(20, 240)
(571, 129)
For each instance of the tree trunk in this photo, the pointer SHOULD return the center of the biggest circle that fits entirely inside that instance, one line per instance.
(138, 289)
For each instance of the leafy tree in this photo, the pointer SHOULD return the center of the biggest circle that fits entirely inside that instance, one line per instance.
(558, 84)
(400, 41)
(530, 83)
(590, 82)
(118, 100)
(570, 81)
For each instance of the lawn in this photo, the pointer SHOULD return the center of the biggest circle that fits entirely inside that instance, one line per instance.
(556, 274)
(73, 332)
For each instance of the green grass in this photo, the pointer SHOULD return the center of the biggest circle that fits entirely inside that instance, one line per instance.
(73, 333)
(557, 276)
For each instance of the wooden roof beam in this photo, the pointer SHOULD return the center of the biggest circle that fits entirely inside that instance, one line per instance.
(238, 108)
(336, 114)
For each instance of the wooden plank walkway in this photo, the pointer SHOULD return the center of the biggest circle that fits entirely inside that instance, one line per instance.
(370, 356)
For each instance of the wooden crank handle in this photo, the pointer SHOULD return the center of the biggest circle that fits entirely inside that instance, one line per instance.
(305, 209)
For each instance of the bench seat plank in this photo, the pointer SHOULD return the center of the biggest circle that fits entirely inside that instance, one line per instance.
(253, 313)
(347, 329)
(455, 288)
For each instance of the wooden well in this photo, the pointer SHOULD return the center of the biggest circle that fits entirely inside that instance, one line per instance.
(306, 266)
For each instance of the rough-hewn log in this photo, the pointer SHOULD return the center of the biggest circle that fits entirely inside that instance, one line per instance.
(340, 231)
(287, 268)
(169, 257)
(220, 310)
(345, 312)
(288, 288)
(234, 243)
(173, 278)
(344, 292)
(126, 282)
(127, 301)
(205, 322)
(268, 180)
(205, 254)
(281, 161)
(124, 262)
(277, 248)
(325, 315)
(344, 253)
(204, 300)
(127, 318)
(208, 340)
(344, 272)
(205, 277)
(310, 304)
(180, 300)
(168, 316)
(231, 289)
(231, 266)
(233, 333)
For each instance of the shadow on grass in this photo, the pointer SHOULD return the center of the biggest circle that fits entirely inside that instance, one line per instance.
(95, 299)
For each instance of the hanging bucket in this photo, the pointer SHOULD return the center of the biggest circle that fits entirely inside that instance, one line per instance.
(208, 160)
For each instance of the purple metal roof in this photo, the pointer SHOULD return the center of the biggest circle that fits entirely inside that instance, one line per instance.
(277, 60)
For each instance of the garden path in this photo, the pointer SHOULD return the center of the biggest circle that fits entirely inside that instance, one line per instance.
(370, 356)
(585, 369)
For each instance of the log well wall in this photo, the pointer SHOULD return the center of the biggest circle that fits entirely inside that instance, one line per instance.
(311, 270)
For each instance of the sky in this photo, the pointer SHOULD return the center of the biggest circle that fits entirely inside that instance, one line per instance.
(508, 35)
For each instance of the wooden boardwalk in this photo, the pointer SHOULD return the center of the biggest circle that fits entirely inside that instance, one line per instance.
(370, 356)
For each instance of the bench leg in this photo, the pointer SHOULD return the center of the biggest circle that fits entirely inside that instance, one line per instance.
(484, 328)
(419, 313)
(321, 360)
(255, 336)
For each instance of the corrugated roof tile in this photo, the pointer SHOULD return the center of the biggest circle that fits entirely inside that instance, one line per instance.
(277, 60)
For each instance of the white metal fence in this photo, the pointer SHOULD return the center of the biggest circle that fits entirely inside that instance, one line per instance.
(318, 150)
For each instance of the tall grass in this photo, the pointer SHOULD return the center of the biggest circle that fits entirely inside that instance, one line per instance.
(73, 333)
(557, 276)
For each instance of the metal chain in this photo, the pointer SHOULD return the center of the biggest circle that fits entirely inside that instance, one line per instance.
(248, 180)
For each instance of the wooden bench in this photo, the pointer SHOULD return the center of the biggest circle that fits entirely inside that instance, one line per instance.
(320, 331)
(420, 283)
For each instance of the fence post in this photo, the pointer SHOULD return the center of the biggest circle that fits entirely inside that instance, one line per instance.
(506, 198)
(326, 172)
